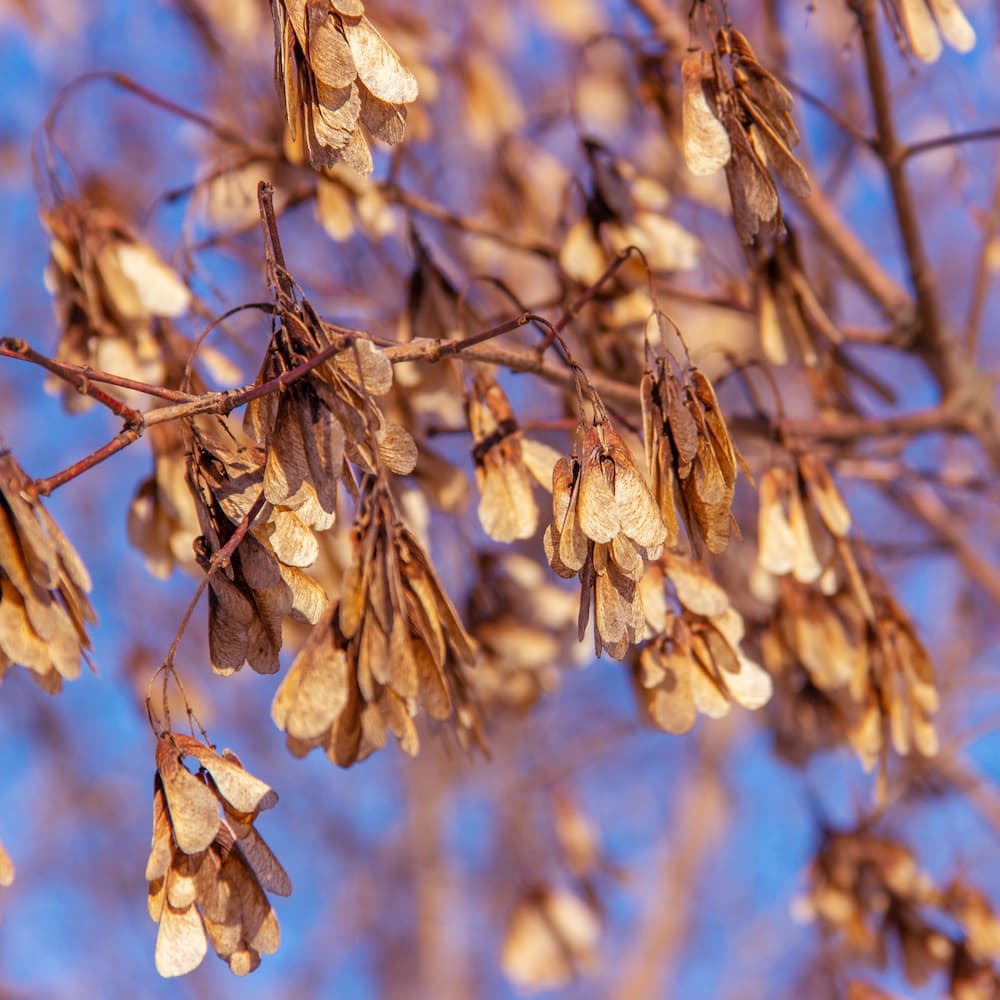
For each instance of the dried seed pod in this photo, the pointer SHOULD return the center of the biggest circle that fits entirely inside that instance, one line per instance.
(392, 645)
(44, 610)
(788, 307)
(6, 868)
(706, 143)
(208, 872)
(340, 80)
(310, 428)
(741, 121)
(605, 523)
(872, 673)
(551, 936)
(926, 22)
(691, 458)
(112, 296)
(263, 581)
(624, 209)
(696, 666)
(869, 892)
(505, 464)
(802, 522)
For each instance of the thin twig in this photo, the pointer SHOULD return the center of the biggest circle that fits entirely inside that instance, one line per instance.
(932, 338)
(424, 206)
(43, 487)
(984, 271)
(955, 139)
(80, 377)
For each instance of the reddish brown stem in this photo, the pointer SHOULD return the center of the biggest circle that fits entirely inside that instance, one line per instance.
(43, 487)
(956, 139)
(230, 135)
(80, 377)
(219, 560)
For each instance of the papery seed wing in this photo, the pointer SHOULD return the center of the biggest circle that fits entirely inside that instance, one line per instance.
(825, 496)
(779, 156)
(397, 449)
(385, 121)
(683, 428)
(434, 694)
(670, 704)
(352, 601)
(375, 368)
(609, 611)
(705, 140)
(323, 439)
(539, 459)
(160, 290)
(806, 566)
(334, 114)
(574, 547)
(722, 444)
(378, 65)
(562, 491)
(373, 726)
(638, 513)
(287, 466)
(696, 590)
(596, 509)
(265, 866)
(315, 691)
(180, 884)
(260, 926)
(709, 698)
(709, 480)
(462, 644)
(772, 340)
(626, 556)
(326, 48)
(229, 618)
(400, 723)
(954, 25)
(920, 30)
(244, 792)
(194, 810)
(403, 675)
(290, 540)
(344, 744)
(776, 542)
(551, 540)
(751, 687)
(180, 943)
(356, 154)
(264, 638)
(162, 842)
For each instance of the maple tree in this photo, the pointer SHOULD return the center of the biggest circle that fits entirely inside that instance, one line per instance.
(498, 344)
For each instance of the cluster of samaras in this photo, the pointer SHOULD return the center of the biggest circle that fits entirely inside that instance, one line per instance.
(741, 121)
(208, 868)
(870, 896)
(340, 80)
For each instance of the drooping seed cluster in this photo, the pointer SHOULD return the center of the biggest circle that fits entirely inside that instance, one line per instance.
(741, 121)
(605, 525)
(392, 646)
(340, 79)
(44, 611)
(208, 869)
